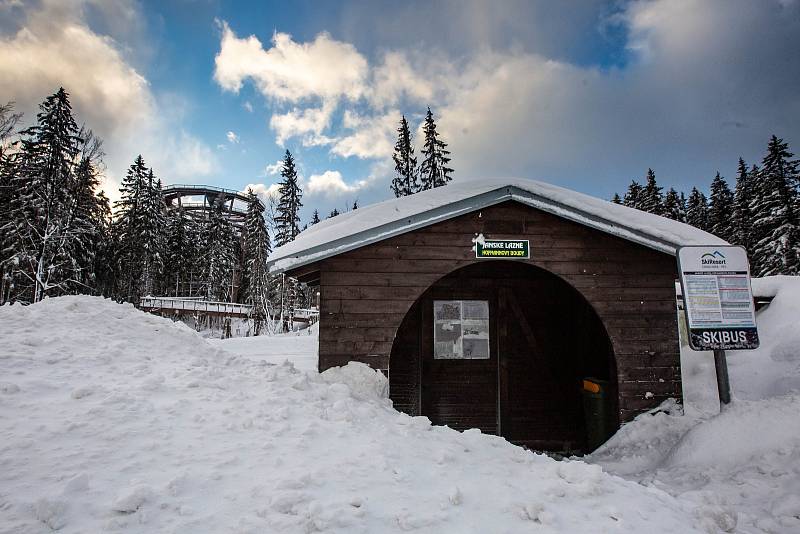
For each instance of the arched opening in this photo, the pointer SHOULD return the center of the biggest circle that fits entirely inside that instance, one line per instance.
(525, 381)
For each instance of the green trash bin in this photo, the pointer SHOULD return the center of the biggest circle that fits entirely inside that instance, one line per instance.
(597, 412)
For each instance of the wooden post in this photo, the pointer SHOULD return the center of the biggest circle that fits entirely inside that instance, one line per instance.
(723, 384)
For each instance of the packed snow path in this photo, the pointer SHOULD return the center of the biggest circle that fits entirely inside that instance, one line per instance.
(114, 420)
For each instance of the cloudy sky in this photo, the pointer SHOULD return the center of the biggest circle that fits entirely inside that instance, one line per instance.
(582, 93)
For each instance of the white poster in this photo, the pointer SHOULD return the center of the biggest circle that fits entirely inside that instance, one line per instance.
(461, 329)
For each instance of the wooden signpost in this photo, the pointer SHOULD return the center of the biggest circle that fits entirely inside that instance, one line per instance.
(718, 301)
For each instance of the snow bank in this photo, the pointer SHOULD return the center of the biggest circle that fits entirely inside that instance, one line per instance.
(740, 469)
(113, 420)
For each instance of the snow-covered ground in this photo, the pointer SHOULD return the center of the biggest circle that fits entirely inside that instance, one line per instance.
(115, 420)
(745, 462)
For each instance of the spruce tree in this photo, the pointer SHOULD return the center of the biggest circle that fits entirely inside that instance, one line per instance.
(287, 219)
(434, 171)
(256, 248)
(720, 209)
(334, 213)
(40, 255)
(405, 180)
(742, 218)
(616, 199)
(632, 197)
(315, 217)
(355, 205)
(672, 206)
(650, 198)
(775, 223)
(697, 210)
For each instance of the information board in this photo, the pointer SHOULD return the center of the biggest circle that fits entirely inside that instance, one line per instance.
(461, 329)
(715, 282)
(502, 248)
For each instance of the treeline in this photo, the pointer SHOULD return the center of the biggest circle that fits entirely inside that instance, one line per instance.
(761, 213)
(58, 235)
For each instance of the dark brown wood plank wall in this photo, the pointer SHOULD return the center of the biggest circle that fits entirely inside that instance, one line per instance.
(365, 293)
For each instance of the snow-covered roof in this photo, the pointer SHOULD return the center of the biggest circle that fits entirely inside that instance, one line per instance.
(392, 217)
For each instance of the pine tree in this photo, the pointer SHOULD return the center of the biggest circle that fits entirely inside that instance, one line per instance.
(434, 171)
(650, 198)
(632, 197)
(775, 222)
(616, 199)
(405, 181)
(697, 210)
(742, 218)
(672, 206)
(288, 211)
(256, 248)
(334, 213)
(40, 248)
(315, 217)
(355, 205)
(720, 209)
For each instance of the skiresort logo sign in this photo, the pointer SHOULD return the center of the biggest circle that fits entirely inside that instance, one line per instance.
(716, 258)
(717, 298)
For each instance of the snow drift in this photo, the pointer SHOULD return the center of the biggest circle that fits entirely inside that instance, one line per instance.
(740, 469)
(114, 420)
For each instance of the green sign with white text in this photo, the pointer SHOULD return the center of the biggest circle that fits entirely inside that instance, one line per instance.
(503, 248)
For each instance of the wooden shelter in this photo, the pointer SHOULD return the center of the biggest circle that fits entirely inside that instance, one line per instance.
(502, 341)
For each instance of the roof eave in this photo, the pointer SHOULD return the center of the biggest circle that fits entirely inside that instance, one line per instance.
(460, 207)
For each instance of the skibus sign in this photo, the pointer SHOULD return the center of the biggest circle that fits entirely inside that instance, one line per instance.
(715, 282)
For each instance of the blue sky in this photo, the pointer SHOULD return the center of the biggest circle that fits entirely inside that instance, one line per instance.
(586, 94)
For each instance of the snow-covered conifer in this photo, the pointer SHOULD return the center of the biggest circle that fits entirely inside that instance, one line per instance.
(434, 171)
(775, 222)
(672, 206)
(742, 218)
(632, 197)
(40, 244)
(697, 210)
(287, 218)
(720, 209)
(405, 181)
(256, 248)
(650, 199)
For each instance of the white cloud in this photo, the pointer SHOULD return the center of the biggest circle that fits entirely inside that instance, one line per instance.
(324, 68)
(370, 137)
(263, 191)
(331, 184)
(248, 106)
(232, 137)
(308, 123)
(54, 46)
(273, 169)
(693, 94)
